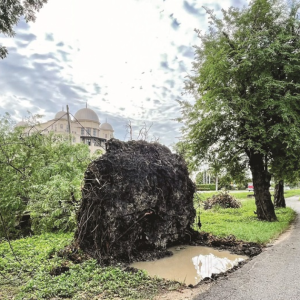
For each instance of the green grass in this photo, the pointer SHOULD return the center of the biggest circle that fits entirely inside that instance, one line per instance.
(291, 193)
(243, 195)
(242, 222)
(239, 195)
(31, 279)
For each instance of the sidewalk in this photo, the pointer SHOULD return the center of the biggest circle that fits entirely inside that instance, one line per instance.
(274, 274)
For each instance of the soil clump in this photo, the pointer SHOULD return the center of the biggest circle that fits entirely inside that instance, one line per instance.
(137, 200)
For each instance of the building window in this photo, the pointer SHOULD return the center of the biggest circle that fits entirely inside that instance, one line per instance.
(94, 132)
(105, 135)
(89, 131)
(61, 126)
(82, 131)
(88, 141)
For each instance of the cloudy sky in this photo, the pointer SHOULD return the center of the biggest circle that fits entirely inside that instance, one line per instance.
(126, 59)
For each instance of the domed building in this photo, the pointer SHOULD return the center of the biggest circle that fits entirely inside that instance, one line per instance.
(85, 127)
(61, 115)
(21, 124)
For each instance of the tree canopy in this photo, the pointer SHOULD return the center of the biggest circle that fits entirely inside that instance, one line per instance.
(11, 11)
(40, 175)
(246, 83)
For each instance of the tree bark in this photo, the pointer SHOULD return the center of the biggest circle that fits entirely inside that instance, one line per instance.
(279, 200)
(261, 183)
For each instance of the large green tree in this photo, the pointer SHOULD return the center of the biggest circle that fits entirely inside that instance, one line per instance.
(11, 11)
(246, 84)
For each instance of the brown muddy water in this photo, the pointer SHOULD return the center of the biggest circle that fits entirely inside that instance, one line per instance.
(190, 264)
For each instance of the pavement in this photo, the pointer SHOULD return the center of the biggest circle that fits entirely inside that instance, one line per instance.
(272, 275)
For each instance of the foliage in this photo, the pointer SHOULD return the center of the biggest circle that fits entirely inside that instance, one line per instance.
(40, 175)
(30, 278)
(246, 83)
(206, 187)
(181, 149)
(11, 13)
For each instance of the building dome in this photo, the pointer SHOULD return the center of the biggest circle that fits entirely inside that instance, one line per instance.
(61, 115)
(106, 126)
(86, 114)
(21, 124)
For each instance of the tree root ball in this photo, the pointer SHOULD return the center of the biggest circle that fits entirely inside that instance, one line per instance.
(136, 197)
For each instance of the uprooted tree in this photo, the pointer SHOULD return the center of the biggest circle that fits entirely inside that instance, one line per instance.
(137, 196)
(246, 83)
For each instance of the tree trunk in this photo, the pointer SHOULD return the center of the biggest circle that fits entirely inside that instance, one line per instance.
(261, 183)
(217, 183)
(279, 200)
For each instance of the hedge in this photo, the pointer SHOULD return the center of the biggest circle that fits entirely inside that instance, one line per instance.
(206, 187)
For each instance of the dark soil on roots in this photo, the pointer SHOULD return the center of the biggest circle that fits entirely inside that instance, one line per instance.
(137, 198)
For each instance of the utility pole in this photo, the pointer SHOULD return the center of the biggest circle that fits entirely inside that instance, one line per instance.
(69, 125)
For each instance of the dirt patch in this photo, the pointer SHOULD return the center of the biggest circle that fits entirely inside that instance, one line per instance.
(59, 270)
(186, 293)
(73, 253)
(229, 243)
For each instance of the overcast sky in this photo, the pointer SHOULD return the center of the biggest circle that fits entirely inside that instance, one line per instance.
(126, 59)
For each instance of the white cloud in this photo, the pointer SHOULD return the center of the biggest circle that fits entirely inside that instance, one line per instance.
(127, 58)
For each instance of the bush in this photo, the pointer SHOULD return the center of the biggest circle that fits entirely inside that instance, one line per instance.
(242, 186)
(206, 187)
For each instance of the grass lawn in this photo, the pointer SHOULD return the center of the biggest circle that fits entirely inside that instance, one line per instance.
(291, 193)
(243, 194)
(28, 276)
(242, 222)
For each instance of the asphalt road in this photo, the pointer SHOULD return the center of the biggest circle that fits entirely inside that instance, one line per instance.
(272, 275)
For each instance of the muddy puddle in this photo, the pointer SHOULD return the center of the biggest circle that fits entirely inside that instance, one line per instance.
(190, 264)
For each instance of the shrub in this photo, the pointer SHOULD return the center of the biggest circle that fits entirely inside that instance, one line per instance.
(223, 200)
(206, 187)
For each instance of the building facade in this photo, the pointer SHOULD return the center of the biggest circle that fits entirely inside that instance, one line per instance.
(84, 127)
